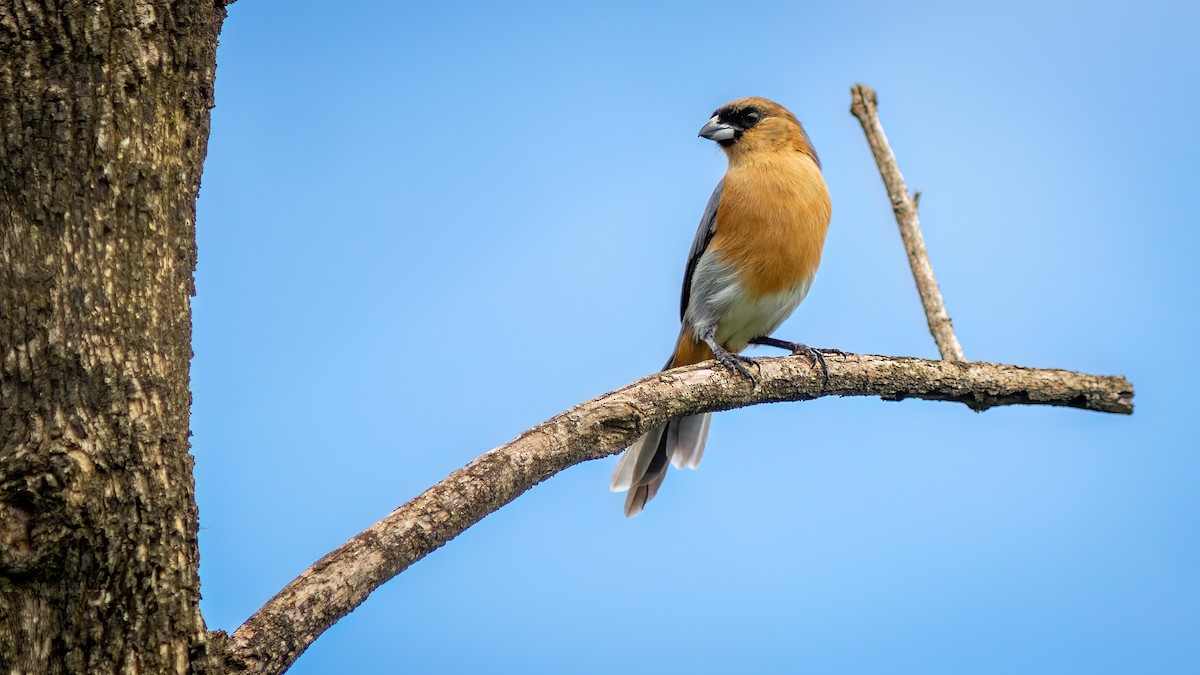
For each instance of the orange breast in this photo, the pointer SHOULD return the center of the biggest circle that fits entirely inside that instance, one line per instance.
(772, 221)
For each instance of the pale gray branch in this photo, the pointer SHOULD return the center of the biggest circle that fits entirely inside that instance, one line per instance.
(863, 106)
(279, 632)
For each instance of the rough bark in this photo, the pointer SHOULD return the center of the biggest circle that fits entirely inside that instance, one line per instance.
(279, 632)
(104, 122)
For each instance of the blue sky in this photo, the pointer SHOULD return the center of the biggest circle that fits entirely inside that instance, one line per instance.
(424, 229)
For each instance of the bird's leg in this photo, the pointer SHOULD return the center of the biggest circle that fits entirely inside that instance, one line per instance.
(815, 357)
(729, 360)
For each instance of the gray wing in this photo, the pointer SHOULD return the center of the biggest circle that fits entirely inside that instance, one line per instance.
(704, 234)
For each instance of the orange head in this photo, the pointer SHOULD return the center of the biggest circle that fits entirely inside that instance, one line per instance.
(754, 124)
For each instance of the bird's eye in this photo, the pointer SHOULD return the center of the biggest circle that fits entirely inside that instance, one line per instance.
(751, 117)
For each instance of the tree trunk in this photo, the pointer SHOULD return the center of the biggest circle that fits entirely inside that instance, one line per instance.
(104, 121)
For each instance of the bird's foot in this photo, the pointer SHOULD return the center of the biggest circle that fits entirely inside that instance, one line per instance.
(736, 362)
(816, 357)
(726, 358)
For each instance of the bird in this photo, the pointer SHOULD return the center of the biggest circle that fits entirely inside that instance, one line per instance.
(754, 257)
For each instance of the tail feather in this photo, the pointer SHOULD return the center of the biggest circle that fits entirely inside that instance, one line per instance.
(680, 442)
(637, 498)
(643, 467)
(688, 447)
(631, 470)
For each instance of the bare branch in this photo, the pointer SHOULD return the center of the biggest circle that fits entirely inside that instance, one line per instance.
(283, 628)
(863, 106)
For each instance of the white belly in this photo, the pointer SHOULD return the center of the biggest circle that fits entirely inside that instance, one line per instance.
(718, 298)
(745, 319)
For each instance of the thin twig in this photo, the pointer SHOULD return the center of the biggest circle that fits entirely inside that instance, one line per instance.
(283, 628)
(863, 106)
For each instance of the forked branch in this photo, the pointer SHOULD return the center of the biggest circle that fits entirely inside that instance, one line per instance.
(863, 106)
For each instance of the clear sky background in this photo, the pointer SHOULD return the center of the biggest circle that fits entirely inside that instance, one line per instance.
(426, 227)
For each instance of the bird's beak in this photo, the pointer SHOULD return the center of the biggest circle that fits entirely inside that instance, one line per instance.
(716, 130)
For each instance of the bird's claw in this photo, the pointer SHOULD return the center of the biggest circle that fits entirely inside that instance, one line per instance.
(816, 357)
(737, 362)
